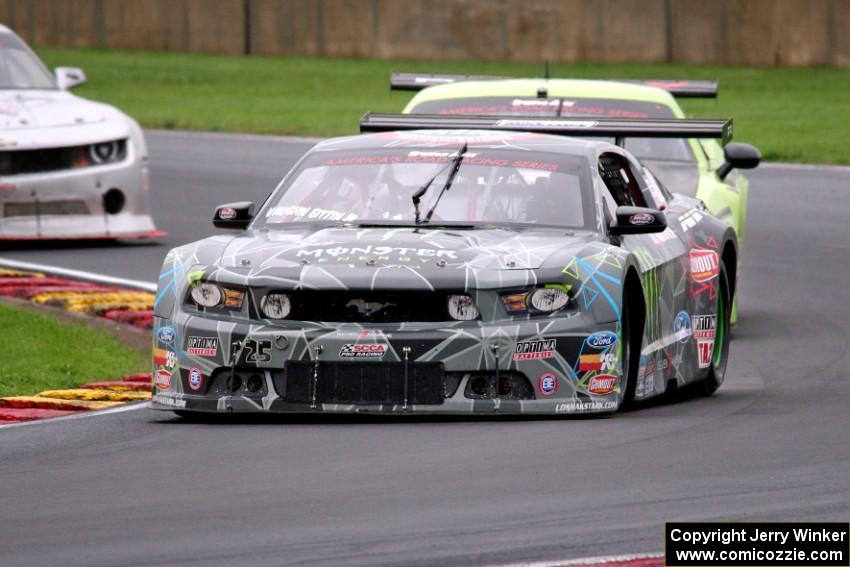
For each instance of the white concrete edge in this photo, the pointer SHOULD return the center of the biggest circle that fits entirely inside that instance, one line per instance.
(77, 275)
(585, 561)
(314, 140)
(130, 406)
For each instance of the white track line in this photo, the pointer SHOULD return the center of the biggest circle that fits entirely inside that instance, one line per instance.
(584, 561)
(79, 415)
(77, 275)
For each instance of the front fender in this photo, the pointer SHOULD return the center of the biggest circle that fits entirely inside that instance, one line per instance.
(179, 264)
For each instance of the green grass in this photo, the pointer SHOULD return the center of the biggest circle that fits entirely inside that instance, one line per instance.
(792, 114)
(38, 352)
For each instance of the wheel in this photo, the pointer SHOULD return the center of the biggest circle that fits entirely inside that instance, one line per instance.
(630, 362)
(720, 355)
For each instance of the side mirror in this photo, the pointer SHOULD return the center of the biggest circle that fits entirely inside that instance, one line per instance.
(637, 220)
(738, 156)
(235, 216)
(69, 77)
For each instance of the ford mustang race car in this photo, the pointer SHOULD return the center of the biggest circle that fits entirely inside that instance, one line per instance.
(452, 265)
(695, 167)
(69, 167)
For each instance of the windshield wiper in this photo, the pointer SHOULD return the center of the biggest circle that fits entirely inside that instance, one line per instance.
(417, 197)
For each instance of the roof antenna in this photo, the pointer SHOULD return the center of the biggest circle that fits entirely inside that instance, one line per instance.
(546, 70)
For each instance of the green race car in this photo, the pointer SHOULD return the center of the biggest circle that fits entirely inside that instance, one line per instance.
(695, 167)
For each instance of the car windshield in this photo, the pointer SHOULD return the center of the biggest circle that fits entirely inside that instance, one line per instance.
(645, 148)
(20, 68)
(492, 186)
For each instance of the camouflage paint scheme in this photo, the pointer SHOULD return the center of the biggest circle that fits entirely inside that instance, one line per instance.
(482, 262)
(726, 199)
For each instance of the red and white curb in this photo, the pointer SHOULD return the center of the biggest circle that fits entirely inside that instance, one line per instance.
(117, 299)
(88, 397)
(121, 300)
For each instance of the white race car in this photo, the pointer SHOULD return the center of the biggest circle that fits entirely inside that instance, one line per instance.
(69, 167)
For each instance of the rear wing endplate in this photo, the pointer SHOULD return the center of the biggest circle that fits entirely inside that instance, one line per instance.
(678, 88)
(617, 128)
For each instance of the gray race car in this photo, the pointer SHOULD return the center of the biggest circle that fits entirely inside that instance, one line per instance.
(452, 265)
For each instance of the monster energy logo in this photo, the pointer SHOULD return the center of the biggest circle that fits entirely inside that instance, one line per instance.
(653, 320)
(378, 251)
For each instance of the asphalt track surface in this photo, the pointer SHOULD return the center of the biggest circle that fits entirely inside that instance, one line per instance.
(141, 487)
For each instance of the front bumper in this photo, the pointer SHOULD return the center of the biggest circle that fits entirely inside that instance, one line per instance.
(69, 204)
(527, 367)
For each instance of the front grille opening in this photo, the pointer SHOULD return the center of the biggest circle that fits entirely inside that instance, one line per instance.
(369, 306)
(364, 383)
(511, 386)
(32, 208)
(15, 162)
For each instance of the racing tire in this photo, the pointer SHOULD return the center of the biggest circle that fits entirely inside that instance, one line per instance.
(720, 354)
(630, 361)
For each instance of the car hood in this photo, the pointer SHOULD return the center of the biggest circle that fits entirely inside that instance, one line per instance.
(48, 118)
(680, 178)
(401, 257)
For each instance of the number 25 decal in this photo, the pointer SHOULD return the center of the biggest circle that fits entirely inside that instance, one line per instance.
(256, 352)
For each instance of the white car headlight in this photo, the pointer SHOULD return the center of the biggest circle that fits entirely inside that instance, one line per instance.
(105, 152)
(206, 294)
(462, 308)
(548, 299)
(276, 306)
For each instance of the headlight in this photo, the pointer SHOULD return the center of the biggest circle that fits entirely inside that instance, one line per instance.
(276, 306)
(462, 308)
(548, 299)
(105, 152)
(206, 294)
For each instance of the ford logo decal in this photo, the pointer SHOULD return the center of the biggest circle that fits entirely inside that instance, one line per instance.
(602, 339)
(166, 335)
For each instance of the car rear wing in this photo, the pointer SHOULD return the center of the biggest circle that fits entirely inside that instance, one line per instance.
(617, 128)
(677, 88)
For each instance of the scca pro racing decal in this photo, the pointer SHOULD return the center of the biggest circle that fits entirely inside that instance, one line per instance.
(363, 351)
(533, 350)
(547, 384)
